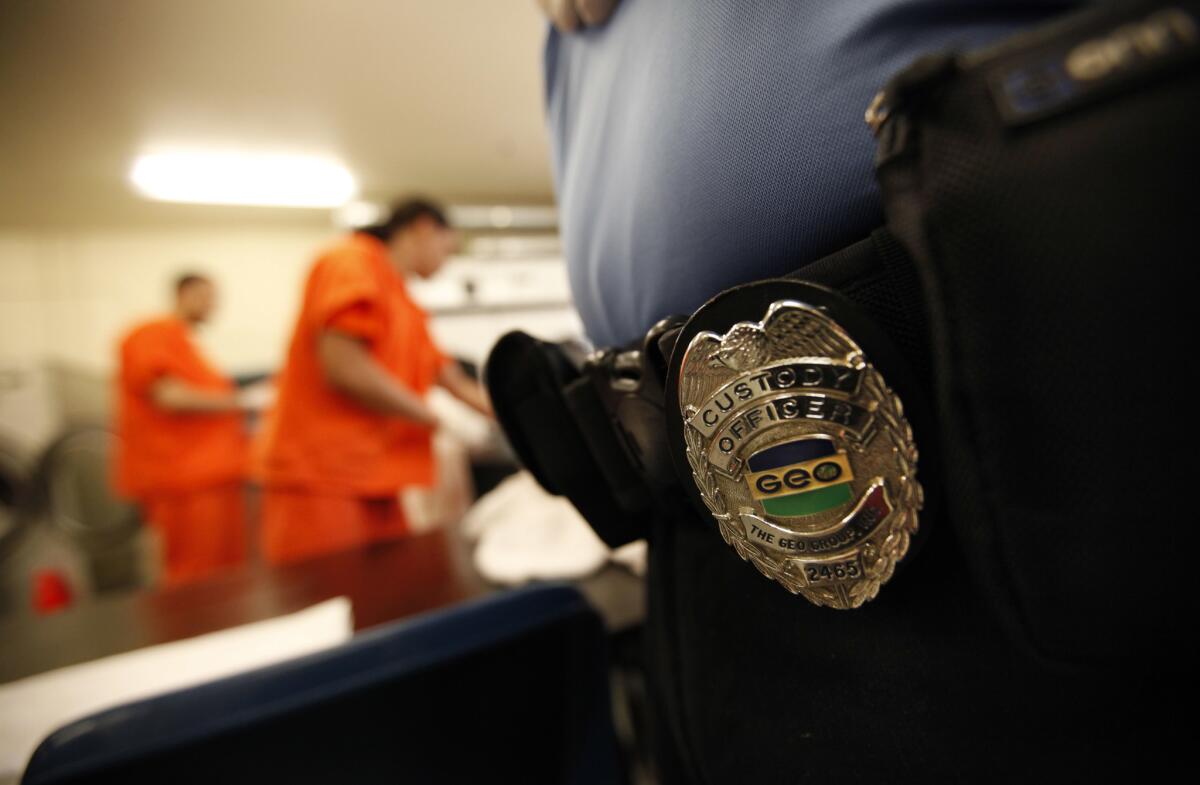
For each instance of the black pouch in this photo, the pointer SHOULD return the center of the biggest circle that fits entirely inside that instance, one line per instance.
(1047, 190)
(558, 426)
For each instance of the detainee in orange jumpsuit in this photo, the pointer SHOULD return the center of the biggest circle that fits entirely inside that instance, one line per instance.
(182, 451)
(350, 427)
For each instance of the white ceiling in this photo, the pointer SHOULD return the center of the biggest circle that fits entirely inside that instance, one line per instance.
(437, 96)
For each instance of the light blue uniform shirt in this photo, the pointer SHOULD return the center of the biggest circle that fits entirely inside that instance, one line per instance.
(700, 144)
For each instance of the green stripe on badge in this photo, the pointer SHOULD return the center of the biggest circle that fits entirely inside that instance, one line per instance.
(808, 503)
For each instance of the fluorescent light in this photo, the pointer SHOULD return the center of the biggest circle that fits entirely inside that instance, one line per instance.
(261, 179)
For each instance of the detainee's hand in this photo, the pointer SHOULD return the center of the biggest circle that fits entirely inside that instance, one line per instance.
(256, 397)
(455, 381)
(430, 419)
(571, 15)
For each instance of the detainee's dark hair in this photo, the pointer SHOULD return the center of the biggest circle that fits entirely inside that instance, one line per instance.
(406, 212)
(184, 280)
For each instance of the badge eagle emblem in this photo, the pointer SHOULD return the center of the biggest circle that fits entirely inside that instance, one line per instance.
(801, 452)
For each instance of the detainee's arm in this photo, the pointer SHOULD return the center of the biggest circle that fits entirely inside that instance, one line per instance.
(456, 381)
(348, 366)
(176, 395)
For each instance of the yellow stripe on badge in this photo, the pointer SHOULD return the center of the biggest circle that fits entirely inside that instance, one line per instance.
(804, 477)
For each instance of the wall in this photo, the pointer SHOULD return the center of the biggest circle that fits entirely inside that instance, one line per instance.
(65, 298)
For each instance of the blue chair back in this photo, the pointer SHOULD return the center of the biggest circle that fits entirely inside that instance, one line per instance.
(511, 688)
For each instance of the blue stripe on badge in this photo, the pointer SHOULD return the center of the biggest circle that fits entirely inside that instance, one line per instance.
(789, 453)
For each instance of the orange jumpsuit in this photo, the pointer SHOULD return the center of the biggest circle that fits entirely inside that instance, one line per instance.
(332, 469)
(186, 470)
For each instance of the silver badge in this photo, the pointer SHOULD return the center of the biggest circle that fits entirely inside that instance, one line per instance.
(801, 452)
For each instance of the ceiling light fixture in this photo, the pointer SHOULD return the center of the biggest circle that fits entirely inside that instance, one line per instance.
(512, 217)
(258, 179)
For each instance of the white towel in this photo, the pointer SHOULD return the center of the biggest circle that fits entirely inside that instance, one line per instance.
(525, 534)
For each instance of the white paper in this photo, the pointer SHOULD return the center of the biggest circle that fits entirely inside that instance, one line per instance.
(525, 534)
(32, 708)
